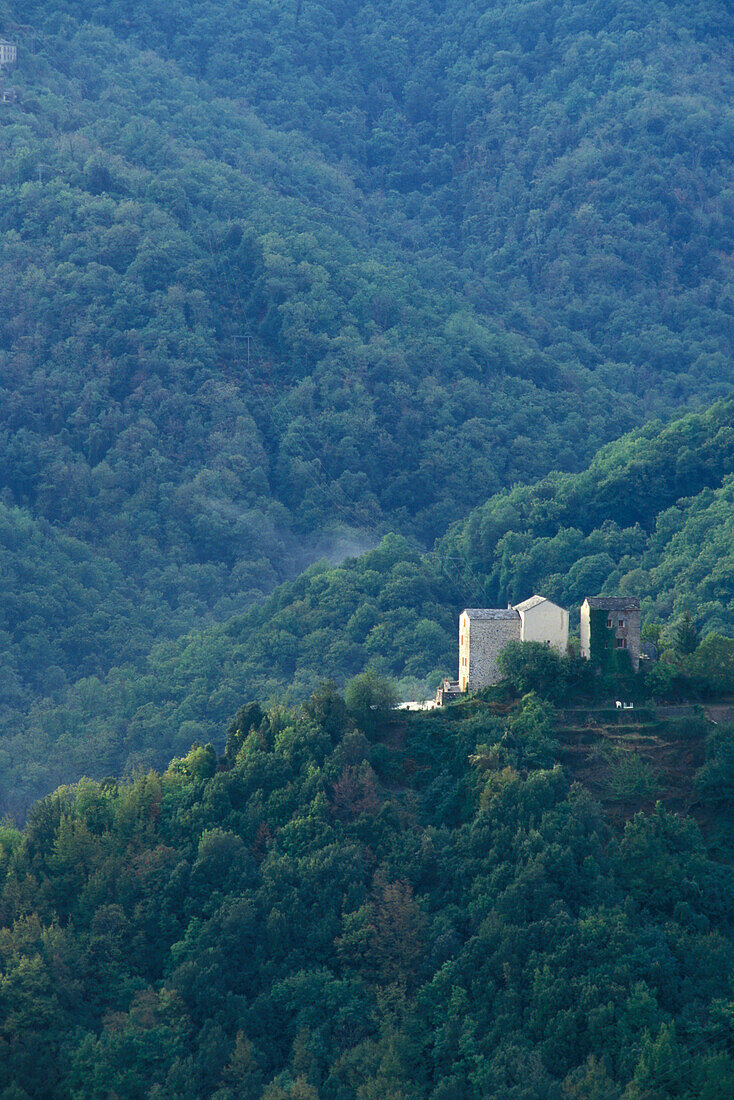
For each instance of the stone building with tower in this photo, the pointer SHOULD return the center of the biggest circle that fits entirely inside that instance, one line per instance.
(483, 634)
(610, 624)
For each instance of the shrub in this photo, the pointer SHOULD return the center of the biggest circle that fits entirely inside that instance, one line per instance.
(369, 699)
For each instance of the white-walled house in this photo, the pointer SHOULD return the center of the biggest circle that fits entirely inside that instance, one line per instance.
(541, 620)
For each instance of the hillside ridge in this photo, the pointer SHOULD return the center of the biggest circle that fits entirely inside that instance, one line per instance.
(395, 609)
(347, 900)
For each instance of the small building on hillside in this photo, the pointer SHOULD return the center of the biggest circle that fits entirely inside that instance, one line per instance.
(541, 620)
(483, 633)
(8, 52)
(448, 690)
(610, 624)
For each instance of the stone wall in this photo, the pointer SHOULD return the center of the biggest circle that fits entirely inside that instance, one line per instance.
(623, 624)
(487, 637)
(628, 633)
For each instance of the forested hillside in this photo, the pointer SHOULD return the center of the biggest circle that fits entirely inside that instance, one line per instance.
(469, 243)
(344, 906)
(320, 321)
(653, 516)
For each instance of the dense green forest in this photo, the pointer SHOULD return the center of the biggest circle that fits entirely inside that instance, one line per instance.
(653, 515)
(321, 321)
(468, 244)
(349, 906)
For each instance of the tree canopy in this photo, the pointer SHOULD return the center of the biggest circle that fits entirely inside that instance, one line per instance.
(281, 279)
(430, 907)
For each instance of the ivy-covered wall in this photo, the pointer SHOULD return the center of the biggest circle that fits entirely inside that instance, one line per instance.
(604, 654)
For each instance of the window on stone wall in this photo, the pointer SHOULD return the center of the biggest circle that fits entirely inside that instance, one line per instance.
(621, 643)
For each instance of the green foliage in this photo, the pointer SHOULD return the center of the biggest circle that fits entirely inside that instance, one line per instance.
(531, 730)
(394, 610)
(631, 778)
(148, 230)
(434, 315)
(199, 763)
(463, 239)
(369, 699)
(630, 522)
(711, 665)
(590, 1082)
(319, 915)
(533, 666)
(685, 635)
(248, 718)
(715, 780)
(661, 681)
(604, 655)
(328, 709)
(658, 1069)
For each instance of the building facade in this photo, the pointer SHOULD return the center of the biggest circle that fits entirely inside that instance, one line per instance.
(8, 52)
(610, 623)
(541, 620)
(483, 634)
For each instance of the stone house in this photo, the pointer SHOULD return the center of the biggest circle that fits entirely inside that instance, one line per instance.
(611, 623)
(483, 633)
(541, 620)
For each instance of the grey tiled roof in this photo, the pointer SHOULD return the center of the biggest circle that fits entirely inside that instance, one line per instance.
(491, 613)
(613, 603)
(533, 602)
